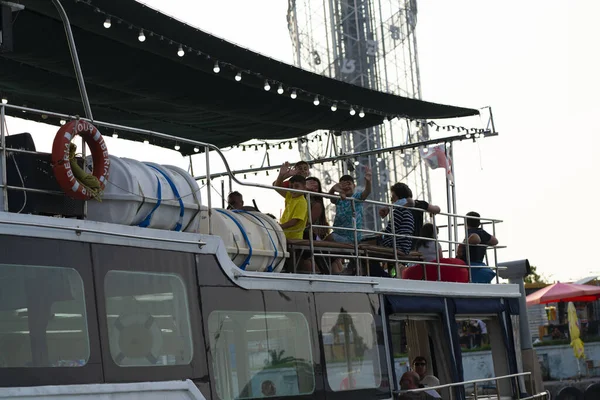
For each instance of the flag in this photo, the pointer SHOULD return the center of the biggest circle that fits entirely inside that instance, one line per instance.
(436, 158)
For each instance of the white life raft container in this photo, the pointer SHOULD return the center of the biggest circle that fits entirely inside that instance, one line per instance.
(254, 241)
(148, 195)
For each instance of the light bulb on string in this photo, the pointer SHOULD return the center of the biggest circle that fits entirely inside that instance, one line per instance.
(216, 68)
(180, 51)
(379, 159)
(290, 146)
(62, 122)
(107, 23)
(334, 106)
(356, 162)
(177, 147)
(196, 150)
(280, 89)
(4, 100)
(316, 101)
(352, 111)
(238, 76)
(293, 95)
(115, 135)
(141, 36)
(361, 113)
(267, 87)
(146, 141)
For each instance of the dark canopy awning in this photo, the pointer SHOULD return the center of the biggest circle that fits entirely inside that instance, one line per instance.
(147, 85)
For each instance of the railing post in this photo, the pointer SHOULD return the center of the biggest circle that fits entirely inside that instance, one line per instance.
(4, 163)
(208, 186)
(393, 222)
(495, 250)
(475, 390)
(467, 251)
(310, 235)
(498, 389)
(353, 202)
(437, 254)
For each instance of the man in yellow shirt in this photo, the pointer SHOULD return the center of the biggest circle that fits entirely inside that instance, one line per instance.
(295, 215)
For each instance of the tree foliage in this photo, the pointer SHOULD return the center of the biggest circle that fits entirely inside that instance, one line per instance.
(534, 277)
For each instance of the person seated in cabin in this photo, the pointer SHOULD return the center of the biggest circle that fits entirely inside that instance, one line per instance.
(427, 248)
(295, 215)
(420, 367)
(477, 236)
(410, 381)
(268, 388)
(345, 210)
(300, 168)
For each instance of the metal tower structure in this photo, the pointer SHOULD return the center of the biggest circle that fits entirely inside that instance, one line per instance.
(370, 43)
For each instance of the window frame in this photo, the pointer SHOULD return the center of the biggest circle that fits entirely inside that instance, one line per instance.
(16, 250)
(110, 258)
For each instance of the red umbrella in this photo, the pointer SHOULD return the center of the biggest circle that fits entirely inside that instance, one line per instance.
(564, 292)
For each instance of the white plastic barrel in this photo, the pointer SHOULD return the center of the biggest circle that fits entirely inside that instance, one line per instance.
(243, 231)
(132, 193)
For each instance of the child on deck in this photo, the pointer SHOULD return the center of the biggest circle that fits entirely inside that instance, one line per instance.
(343, 209)
(295, 215)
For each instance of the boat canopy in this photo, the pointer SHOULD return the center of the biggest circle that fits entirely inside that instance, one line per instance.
(147, 85)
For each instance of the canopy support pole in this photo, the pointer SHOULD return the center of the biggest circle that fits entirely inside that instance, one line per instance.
(78, 73)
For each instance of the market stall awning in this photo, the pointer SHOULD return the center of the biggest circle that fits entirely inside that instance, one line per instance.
(564, 292)
(147, 85)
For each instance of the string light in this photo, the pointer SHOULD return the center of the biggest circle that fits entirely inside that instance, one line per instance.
(334, 106)
(316, 101)
(352, 111)
(4, 100)
(180, 51)
(379, 159)
(115, 135)
(177, 147)
(196, 150)
(267, 86)
(62, 122)
(290, 147)
(293, 95)
(216, 68)
(238, 76)
(146, 141)
(280, 89)
(361, 113)
(107, 23)
(356, 162)
(142, 37)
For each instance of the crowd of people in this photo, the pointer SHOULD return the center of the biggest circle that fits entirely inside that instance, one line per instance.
(407, 222)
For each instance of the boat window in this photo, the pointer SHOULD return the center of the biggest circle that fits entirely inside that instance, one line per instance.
(148, 319)
(260, 354)
(43, 321)
(351, 351)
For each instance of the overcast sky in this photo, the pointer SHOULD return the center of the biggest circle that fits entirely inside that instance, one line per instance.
(534, 62)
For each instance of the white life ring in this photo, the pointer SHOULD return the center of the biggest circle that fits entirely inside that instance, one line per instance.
(136, 339)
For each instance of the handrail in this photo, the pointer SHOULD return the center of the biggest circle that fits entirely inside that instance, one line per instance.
(207, 147)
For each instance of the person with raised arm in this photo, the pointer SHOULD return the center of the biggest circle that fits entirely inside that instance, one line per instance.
(295, 215)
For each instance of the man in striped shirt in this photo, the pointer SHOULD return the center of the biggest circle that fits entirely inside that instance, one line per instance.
(404, 223)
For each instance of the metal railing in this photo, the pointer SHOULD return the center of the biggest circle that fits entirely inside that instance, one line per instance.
(475, 395)
(358, 255)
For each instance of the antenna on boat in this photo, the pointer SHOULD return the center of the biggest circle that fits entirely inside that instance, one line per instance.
(78, 73)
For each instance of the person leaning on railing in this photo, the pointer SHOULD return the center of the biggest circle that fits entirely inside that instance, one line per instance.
(478, 240)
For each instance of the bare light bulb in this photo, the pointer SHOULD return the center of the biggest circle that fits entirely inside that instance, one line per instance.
(356, 162)
(177, 147)
(352, 111)
(267, 86)
(216, 68)
(238, 76)
(4, 100)
(334, 106)
(180, 51)
(62, 122)
(196, 149)
(361, 113)
(293, 95)
(141, 36)
(316, 101)
(146, 141)
(107, 23)
(280, 89)
(115, 135)
(379, 159)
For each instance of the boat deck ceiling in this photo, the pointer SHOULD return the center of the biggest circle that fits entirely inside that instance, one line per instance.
(148, 86)
(132, 236)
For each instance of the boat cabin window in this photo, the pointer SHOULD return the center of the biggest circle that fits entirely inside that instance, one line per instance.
(351, 351)
(257, 354)
(42, 317)
(148, 319)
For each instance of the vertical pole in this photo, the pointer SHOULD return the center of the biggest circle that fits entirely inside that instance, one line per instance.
(437, 254)
(495, 253)
(3, 142)
(467, 251)
(73, 49)
(353, 202)
(450, 151)
(449, 208)
(393, 222)
(222, 193)
(389, 354)
(208, 188)
(310, 236)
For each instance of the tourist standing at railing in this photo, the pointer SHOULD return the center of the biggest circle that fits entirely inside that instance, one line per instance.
(404, 223)
(295, 215)
(418, 216)
(478, 239)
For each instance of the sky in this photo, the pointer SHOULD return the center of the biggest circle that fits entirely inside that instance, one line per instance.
(534, 62)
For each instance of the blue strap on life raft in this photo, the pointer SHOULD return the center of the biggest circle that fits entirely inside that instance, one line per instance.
(270, 266)
(179, 224)
(146, 221)
(244, 234)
